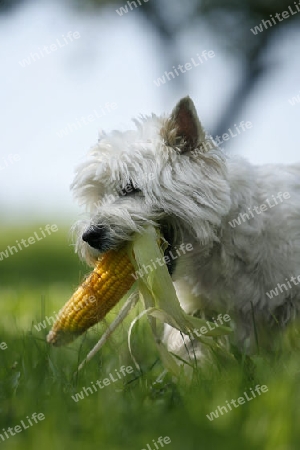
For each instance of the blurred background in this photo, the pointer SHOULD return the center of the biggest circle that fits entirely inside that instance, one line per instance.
(119, 55)
(71, 68)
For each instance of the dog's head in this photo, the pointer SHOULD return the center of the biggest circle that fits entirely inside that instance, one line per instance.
(167, 172)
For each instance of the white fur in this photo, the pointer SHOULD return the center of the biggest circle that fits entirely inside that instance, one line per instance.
(198, 192)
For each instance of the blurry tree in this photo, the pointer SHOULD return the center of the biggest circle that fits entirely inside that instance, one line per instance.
(232, 21)
(7, 5)
(229, 20)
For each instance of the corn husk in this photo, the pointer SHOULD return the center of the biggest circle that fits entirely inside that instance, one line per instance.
(160, 300)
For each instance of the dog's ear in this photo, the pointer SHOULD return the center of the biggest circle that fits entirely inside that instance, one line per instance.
(183, 129)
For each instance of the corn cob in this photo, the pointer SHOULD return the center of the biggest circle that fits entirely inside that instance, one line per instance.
(98, 294)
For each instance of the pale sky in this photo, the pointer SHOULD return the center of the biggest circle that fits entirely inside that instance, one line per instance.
(115, 61)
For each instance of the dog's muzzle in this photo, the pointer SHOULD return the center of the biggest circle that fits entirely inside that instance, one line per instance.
(98, 237)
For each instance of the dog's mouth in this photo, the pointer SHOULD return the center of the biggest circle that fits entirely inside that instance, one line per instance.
(98, 237)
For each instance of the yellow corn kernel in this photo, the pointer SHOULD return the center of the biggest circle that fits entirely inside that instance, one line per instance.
(98, 294)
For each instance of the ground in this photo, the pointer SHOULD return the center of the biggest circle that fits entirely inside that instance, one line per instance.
(135, 409)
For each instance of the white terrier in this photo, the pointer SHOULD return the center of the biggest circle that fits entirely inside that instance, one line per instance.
(242, 221)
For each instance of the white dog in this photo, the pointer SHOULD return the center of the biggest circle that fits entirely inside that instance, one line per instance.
(243, 221)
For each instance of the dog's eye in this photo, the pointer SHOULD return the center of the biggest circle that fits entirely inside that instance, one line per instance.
(129, 189)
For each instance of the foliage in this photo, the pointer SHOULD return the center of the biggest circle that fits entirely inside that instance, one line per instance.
(137, 409)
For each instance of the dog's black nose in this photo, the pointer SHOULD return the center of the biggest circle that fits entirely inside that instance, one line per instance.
(97, 236)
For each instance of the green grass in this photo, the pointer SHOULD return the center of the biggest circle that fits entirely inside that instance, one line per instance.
(137, 409)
